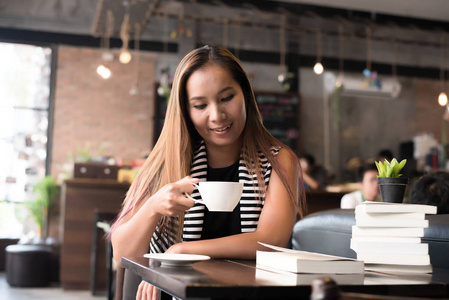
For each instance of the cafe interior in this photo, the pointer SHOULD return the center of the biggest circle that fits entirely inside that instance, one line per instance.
(85, 84)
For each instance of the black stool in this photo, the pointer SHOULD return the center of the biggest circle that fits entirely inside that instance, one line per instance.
(5, 242)
(28, 265)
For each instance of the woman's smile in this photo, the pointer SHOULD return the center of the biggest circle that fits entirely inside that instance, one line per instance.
(222, 130)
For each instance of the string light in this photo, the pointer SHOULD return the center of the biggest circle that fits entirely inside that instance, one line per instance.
(339, 81)
(442, 97)
(103, 69)
(125, 55)
(318, 67)
(135, 87)
(282, 76)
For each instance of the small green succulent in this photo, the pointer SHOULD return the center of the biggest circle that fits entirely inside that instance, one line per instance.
(390, 169)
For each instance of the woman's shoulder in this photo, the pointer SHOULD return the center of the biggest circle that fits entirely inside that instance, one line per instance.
(285, 156)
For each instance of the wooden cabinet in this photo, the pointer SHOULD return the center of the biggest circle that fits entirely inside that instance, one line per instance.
(81, 199)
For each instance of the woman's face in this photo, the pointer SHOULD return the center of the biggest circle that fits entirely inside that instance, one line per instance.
(216, 106)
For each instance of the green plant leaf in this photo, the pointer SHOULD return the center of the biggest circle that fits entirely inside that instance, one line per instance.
(399, 168)
(393, 163)
(390, 169)
(381, 169)
(45, 191)
(35, 209)
(378, 167)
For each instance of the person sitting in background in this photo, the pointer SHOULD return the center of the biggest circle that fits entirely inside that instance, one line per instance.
(432, 189)
(307, 162)
(369, 190)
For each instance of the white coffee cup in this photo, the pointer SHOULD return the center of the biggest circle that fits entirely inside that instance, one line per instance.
(219, 195)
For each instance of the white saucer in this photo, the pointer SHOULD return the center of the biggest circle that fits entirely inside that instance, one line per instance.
(178, 260)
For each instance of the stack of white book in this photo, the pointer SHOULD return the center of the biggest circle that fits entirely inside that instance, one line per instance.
(387, 236)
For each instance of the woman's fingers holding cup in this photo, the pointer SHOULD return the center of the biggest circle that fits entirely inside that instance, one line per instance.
(189, 183)
(172, 200)
(192, 184)
(189, 179)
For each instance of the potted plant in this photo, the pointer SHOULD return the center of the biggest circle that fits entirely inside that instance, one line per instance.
(391, 185)
(45, 190)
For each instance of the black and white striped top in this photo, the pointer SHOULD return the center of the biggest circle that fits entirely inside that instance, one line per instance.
(251, 203)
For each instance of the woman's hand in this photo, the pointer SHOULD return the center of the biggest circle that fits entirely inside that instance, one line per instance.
(170, 200)
(133, 234)
(176, 248)
(146, 291)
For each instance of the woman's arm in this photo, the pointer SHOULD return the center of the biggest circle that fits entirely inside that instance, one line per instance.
(133, 234)
(275, 223)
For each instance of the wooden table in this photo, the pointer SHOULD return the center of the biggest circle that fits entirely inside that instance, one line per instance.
(240, 279)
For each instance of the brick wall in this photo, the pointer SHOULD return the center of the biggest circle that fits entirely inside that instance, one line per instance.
(429, 114)
(91, 111)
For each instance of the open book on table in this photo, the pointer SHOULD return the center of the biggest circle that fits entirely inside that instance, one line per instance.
(306, 262)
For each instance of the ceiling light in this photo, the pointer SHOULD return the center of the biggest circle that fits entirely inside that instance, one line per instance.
(125, 56)
(281, 77)
(318, 68)
(104, 71)
(107, 56)
(442, 99)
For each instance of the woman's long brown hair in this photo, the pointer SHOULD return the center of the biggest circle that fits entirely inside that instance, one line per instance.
(171, 157)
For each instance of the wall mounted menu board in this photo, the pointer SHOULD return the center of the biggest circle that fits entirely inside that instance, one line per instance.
(280, 116)
(279, 113)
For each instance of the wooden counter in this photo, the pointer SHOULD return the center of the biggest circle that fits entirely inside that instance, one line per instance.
(81, 198)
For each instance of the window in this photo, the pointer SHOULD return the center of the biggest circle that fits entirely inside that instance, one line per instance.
(25, 76)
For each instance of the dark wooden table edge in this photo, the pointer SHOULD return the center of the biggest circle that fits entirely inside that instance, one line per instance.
(438, 289)
(222, 290)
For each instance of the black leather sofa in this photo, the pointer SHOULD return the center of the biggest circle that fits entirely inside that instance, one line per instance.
(330, 232)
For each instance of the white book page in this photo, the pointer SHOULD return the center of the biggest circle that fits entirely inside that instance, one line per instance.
(401, 207)
(306, 254)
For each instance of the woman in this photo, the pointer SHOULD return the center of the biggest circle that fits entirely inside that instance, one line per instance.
(212, 131)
